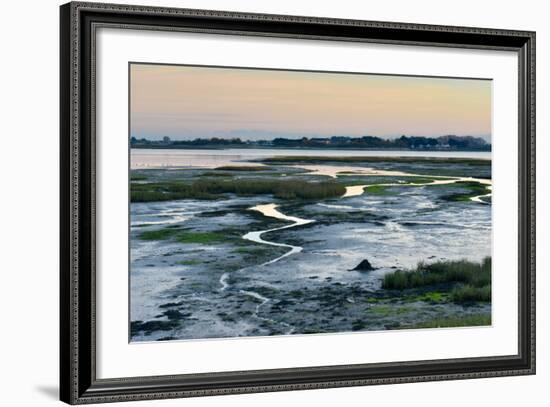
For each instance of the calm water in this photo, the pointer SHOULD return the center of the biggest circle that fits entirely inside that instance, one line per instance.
(154, 158)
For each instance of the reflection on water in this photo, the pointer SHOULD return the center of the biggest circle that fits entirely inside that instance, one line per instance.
(208, 158)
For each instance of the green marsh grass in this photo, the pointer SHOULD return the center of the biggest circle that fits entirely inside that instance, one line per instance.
(474, 189)
(243, 168)
(468, 293)
(470, 281)
(469, 320)
(377, 190)
(213, 188)
(200, 237)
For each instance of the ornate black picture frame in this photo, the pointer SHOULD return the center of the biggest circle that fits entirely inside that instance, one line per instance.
(78, 380)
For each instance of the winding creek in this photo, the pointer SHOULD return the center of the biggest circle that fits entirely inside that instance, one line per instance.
(357, 190)
(270, 210)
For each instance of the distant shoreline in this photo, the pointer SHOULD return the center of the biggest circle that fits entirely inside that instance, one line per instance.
(403, 143)
(256, 147)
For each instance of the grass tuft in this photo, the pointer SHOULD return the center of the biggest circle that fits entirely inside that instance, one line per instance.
(468, 293)
(471, 281)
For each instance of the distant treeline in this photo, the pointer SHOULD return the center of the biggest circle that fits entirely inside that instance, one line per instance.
(449, 142)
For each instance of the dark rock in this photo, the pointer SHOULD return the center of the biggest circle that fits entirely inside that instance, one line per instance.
(364, 266)
(171, 304)
(151, 326)
(166, 338)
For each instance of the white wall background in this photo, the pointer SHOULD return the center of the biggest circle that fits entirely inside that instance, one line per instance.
(29, 163)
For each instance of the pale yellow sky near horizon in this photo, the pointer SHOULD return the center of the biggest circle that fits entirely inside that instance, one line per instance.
(189, 101)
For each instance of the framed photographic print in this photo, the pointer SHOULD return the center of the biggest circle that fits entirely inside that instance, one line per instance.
(256, 203)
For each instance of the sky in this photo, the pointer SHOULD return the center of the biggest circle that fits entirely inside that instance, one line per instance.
(186, 102)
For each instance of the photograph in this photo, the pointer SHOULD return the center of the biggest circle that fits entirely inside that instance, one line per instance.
(267, 202)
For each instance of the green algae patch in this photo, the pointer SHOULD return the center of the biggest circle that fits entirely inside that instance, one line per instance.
(469, 320)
